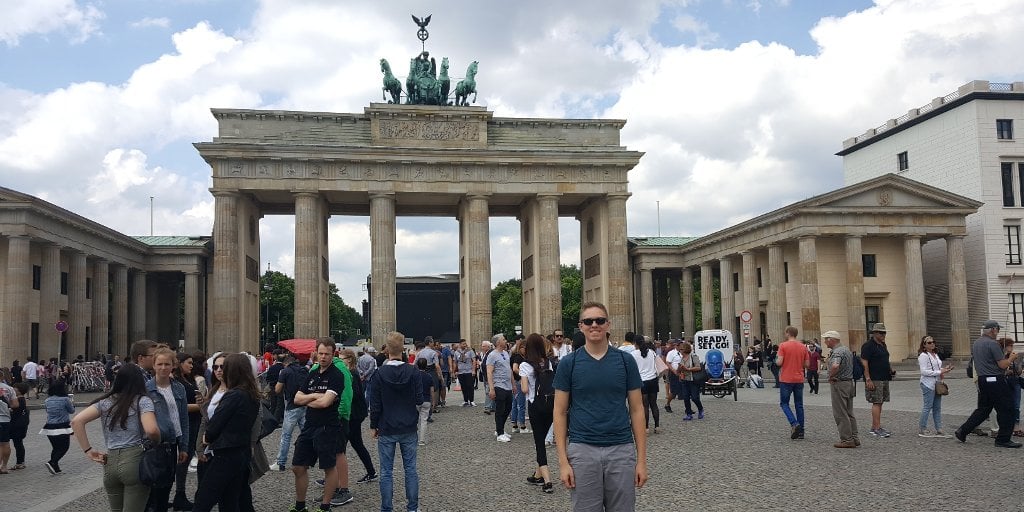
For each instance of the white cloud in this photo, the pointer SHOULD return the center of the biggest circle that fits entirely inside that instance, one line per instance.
(151, 22)
(23, 18)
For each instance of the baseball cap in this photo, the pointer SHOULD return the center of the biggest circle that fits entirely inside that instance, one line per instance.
(991, 324)
(831, 334)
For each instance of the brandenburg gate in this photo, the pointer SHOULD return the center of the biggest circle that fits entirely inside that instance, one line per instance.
(416, 160)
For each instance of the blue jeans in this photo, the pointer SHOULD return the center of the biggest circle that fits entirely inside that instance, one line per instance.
(797, 390)
(292, 418)
(1015, 388)
(386, 453)
(518, 405)
(931, 403)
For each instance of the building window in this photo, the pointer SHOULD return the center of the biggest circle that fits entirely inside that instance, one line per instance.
(759, 277)
(1016, 314)
(1004, 129)
(1012, 244)
(872, 315)
(88, 287)
(868, 263)
(785, 272)
(735, 282)
(37, 277)
(1006, 169)
(63, 283)
(902, 162)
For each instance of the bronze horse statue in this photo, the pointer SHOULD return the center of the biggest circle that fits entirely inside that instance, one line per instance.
(466, 86)
(444, 82)
(391, 84)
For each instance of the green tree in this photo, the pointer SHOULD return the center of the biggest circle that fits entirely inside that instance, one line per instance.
(277, 306)
(345, 322)
(572, 296)
(507, 306)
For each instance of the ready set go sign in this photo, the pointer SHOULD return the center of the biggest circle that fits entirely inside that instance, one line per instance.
(715, 339)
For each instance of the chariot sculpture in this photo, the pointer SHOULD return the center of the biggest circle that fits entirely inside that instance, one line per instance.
(426, 84)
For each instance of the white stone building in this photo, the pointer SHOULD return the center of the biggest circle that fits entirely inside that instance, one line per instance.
(968, 142)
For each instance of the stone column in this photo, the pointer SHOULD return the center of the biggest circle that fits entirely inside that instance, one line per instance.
(478, 265)
(661, 304)
(958, 296)
(78, 310)
(49, 308)
(646, 302)
(15, 330)
(619, 298)
(382, 265)
(549, 272)
(917, 323)
(728, 298)
(707, 296)
(776, 294)
(810, 312)
(119, 325)
(225, 290)
(689, 322)
(192, 310)
(751, 302)
(675, 321)
(137, 325)
(101, 306)
(855, 293)
(308, 221)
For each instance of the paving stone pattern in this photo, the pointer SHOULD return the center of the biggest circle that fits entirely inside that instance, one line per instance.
(739, 457)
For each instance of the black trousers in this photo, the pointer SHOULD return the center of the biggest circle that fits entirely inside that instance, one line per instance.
(997, 395)
(502, 408)
(467, 382)
(812, 380)
(542, 413)
(224, 480)
(58, 448)
(355, 438)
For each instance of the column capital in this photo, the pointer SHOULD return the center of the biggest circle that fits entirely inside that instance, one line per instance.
(138, 271)
(612, 196)
(382, 195)
(806, 237)
(306, 193)
(224, 193)
(548, 196)
(481, 196)
(851, 236)
(955, 237)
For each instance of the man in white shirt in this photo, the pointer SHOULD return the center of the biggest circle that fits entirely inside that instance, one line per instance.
(673, 359)
(558, 344)
(30, 373)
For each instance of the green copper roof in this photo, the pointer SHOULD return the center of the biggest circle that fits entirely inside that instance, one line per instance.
(179, 241)
(661, 241)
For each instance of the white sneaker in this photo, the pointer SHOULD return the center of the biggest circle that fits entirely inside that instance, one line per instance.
(472, 404)
(504, 438)
(525, 430)
(276, 467)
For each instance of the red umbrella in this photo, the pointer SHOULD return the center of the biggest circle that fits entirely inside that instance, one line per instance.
(299, 347)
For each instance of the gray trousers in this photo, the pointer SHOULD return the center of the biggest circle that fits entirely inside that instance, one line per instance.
(121, 480)
(605, 477)
(842, 409)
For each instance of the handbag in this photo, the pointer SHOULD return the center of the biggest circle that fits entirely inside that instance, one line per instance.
(156, 469)
(941, 389)
(700, 376)
(659, 365)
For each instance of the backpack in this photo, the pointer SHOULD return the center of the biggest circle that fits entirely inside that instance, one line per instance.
(970, 370)
(545, 383)
(858, 368)
(482, 374)
(755, 381)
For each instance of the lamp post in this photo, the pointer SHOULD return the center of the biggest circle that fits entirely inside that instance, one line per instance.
(266, 299)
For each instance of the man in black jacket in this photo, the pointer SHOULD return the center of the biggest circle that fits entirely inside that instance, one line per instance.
(394, 390)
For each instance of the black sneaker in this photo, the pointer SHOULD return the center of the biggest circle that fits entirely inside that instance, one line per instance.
(960, 435)
(341, 497)
(548, 488)
(668, 408)
(1008, 444)
(50, 468)
(367, 478)
(534, 480)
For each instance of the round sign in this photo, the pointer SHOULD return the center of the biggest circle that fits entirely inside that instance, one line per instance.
(745, 316)
(61, 326)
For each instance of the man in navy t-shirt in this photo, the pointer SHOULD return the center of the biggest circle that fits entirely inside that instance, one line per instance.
(602, 444)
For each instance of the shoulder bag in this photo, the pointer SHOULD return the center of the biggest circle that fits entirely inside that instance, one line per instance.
(941, 389)
(699, 376)
(156, 468)
(659, 365)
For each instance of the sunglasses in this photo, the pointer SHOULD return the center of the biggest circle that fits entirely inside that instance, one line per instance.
(591, 321)
(559, 336)
(217, 367)
(929, 342)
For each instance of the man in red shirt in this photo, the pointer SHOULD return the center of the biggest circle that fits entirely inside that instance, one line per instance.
(792, 360)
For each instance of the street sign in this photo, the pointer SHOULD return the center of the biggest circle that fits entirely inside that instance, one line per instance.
(61, 326)
(746, 317)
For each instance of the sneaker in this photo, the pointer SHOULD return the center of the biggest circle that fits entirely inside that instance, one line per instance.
(341, 497)
(293, 509)
(941, 434)
(960, 435)
(875, 432)
(421, 443)
(320, 482)
(504, 438)
(668, 408)
(1008, 444)
(515, 429)
(845, 444)
(794, 432)
(487, 411)
(367, 478)
(925, 433)
(430, 420)
(525, 430)
(278, 467)
(465, 404)
(548, 488)
(700, 415)
(800, 433)
(472, 404)
(688, 417)
(50, 468)
(884, 433)
(534, 480)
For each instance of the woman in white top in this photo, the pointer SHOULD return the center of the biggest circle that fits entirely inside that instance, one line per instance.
(645, 359)
(932, 371)
(536, 379)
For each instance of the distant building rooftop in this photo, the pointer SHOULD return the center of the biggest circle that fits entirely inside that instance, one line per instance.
(975, 90)
(175, 241)
(660, 241)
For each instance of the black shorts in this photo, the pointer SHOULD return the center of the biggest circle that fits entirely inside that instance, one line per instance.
(317, 444)
(650, 386)
(343, 436)
(5, 432)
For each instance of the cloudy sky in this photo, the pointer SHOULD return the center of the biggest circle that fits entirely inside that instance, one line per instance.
(739, 105)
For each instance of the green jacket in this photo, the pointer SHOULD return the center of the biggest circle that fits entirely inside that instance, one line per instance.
(345, 404)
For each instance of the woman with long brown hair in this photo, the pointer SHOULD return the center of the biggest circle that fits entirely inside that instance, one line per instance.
(932, 372)
(536, 374)
(228, 435)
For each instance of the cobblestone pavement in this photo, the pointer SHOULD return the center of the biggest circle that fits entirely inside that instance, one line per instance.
(739, 457)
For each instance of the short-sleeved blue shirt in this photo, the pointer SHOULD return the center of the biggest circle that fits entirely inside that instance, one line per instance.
(598, 390)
